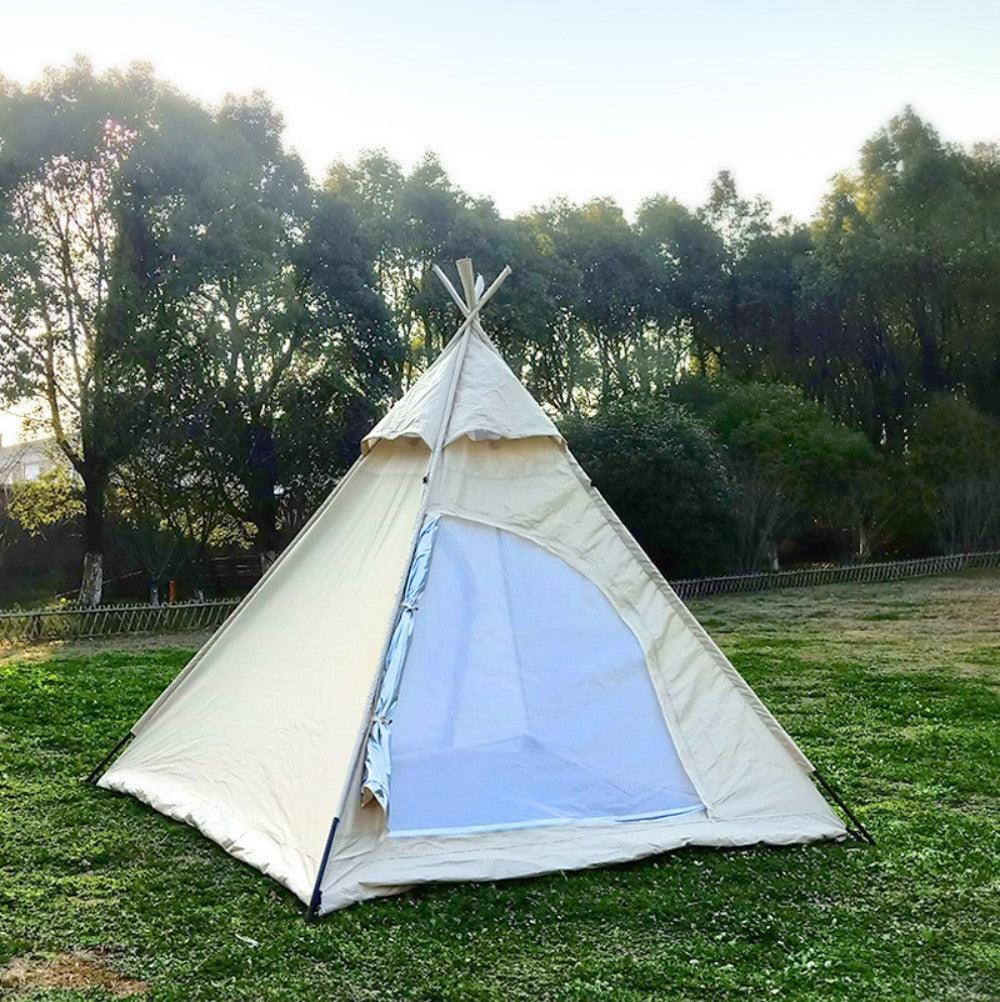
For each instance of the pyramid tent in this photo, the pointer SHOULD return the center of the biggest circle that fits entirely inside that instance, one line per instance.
(464, 668)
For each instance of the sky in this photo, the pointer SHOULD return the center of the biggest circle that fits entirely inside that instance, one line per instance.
(524, 101)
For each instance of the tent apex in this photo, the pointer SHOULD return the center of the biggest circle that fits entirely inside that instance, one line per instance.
(468, 277)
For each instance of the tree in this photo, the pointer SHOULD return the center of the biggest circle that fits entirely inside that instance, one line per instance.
(411, 220)
(773, 433)
(274, 344)
(610, 283)
(690, 256)
(169, 508)
(955, 455)
(904, 280)
(77, 265)
(420, 219)
(52, 499)
(661, 471)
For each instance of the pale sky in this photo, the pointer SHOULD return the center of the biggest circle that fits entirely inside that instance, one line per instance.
(527, 100)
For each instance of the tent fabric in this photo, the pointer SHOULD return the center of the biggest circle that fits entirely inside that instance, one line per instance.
(253, 746)
(747, 772)
(490, 402)
(524, 698)
(740, 762)
(470, 647)
(366, 864)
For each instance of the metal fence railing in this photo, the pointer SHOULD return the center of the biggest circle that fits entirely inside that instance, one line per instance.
(76, 623)
(893, 570)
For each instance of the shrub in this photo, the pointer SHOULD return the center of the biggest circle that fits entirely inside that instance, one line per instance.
(955, 457)
(664, 475)
(818, 472)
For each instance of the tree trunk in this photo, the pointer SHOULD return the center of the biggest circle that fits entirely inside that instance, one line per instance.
(263, 500)
(864, 542)
(772, 555)
(265, 518)
(92, 582)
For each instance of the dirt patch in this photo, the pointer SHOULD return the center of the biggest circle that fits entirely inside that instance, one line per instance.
(80, 971)
(191, 641)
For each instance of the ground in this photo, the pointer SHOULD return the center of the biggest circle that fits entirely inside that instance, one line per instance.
(893, 690)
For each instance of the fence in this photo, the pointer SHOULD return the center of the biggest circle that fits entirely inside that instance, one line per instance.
(860, 573)
(73, 623)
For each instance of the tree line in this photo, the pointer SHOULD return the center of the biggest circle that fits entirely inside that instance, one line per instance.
(208, 331)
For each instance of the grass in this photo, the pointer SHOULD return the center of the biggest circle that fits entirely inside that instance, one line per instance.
(893, 690)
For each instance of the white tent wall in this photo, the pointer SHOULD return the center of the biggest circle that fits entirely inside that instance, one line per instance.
(752, 779)
(490, 402)
(740, 760)
(253, 744)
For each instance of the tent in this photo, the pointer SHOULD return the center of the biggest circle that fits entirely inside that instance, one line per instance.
(464, 668)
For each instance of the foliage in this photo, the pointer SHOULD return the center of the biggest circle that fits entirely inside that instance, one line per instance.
(270, 328)
(904, 298)
(818, 470)
(955, 457)
(51, 499)
(888, 692)
(80, 163)
(663, 475)
(175, 289)
(952, 440)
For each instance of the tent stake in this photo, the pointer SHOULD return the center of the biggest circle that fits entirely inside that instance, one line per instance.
(860, 832)
(98, 769)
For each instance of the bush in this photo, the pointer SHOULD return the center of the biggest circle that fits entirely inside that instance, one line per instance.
(662, 472)
(955, 458)
(810, 470)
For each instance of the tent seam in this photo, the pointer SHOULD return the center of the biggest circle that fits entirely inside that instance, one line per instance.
(568, 831)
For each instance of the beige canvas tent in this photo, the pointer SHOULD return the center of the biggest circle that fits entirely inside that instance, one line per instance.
(464, 668)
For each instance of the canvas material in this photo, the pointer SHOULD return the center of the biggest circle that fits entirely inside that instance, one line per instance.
(262, 740)
(368, 865)
(253, 745)
(747, 771)
(490, 402)
(741, 761)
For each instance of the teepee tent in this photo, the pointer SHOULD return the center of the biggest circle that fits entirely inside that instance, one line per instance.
(464, 668)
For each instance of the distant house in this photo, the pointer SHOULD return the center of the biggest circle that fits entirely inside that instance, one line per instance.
(26, 460)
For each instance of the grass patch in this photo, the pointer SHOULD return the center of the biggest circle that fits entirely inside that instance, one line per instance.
(893, 690)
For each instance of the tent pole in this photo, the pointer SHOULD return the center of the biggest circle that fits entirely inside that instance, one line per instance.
(99, 769)
(312, 912)
(464, 332)
(471, 313)
(860, 832)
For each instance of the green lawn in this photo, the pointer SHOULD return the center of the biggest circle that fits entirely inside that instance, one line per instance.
(892, 690)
